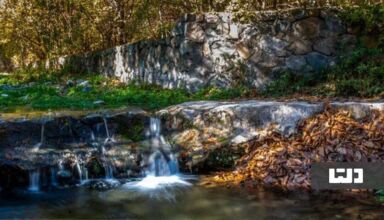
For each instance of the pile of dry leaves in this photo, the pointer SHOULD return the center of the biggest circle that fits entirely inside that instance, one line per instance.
(330, 136)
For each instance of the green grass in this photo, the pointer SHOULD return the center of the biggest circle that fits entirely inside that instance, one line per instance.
(49, 91)
(358, 74)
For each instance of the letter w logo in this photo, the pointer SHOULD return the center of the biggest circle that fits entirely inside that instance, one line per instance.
(347, 178)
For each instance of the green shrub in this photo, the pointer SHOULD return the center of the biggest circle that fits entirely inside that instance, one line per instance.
(368, 22)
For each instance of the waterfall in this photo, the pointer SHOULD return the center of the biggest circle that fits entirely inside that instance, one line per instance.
(53, 177)
(79, 171)
(86, 173)
(34, 181)
(108, 138)
(93, 139)
(38, 145)
(163, 167)
(108, 171)
(60, 165)
(162, 161)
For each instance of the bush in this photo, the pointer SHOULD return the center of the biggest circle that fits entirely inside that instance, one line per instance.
(358, 74)
(368, 21)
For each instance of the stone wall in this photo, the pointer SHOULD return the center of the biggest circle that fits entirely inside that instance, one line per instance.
(215, 50)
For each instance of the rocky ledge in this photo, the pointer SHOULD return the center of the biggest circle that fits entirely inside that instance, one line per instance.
(206, 136)
(65, 148)
(212, 135)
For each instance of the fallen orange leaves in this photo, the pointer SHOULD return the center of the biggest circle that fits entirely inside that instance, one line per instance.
(331, 136)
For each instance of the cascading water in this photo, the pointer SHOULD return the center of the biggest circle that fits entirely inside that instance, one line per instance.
(38, 145)
(108, 138)
(53, 177)
(79, 171)
(108, 167)
(108, 172)
(163, 166)
(162, 161)
(34, 181)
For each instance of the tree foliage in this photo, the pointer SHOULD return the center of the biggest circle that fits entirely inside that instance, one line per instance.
(41, 29)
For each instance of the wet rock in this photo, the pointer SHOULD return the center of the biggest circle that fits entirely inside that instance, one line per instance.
(12, 176)
(102, 185)
(68, 131)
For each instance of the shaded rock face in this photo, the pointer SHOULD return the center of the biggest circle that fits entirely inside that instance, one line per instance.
(66, 150)
(66, 131)
(215, 50)
(214, 132)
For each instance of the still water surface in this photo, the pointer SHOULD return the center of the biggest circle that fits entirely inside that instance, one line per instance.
(180, 203)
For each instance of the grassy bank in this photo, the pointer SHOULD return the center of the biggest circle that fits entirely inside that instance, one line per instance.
(359, 74)
(34, 89)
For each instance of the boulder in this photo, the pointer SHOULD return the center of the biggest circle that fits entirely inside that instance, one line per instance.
(300, 47)
(296, 63)
(308, 28)
(326, 46)
(273, 45)
(318, 61)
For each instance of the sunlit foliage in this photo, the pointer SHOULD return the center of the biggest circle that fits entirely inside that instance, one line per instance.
(41, 29)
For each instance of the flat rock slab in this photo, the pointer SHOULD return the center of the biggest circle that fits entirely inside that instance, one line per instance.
(242, 120)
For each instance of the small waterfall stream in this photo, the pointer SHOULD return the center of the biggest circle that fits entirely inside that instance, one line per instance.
(108, 138)
(108, 171)
(163, 167)
(38, 145)
(162, 161)
(53, 177)
(34, 181)
(79, 170)
(107, 166)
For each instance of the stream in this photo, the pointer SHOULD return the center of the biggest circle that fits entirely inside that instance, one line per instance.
(104, 180)
(183, 202)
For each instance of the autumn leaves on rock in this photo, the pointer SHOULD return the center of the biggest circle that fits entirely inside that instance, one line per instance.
(333, 136)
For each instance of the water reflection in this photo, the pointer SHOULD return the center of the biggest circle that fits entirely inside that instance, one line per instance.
(185, 203)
